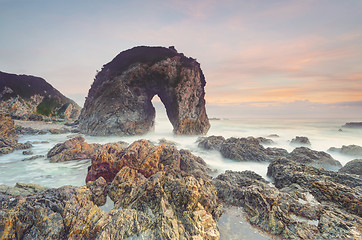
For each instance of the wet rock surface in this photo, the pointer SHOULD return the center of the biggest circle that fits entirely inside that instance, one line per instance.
(352, 167)
(8, 136)
(338, 189)
(21, 189)
(119, 101)
(314, 158)
(242, 149)
(351, 150)
(290, 211)
(159, 193)
(72, 149)
(301, 141)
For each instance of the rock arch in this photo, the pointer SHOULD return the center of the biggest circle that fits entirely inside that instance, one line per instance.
(119, 101)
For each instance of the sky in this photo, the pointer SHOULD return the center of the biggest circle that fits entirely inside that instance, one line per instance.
(260, 58)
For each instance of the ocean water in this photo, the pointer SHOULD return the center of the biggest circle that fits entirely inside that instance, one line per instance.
(322, 133)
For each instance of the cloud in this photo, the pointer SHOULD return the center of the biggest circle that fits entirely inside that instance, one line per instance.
(295, 109)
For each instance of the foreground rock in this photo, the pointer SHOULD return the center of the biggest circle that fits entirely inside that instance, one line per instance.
(314, 158)
(170, 186)
(242, 149)
(21, 189)
(300, 141)
(72, 149)
(32, 98)
(119, 101)
(351, 150)
(8, 137)
(159, 193)
(353, 167)
(293, 210)
(341, 190)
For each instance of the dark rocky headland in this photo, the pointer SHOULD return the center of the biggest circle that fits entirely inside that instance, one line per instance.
(32, 98)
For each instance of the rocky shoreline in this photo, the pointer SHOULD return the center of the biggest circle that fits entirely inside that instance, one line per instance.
(160, 192)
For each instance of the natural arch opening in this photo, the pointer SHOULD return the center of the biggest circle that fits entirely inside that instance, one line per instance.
(161, 123)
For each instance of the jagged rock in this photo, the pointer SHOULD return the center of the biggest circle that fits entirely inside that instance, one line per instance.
(72, 149)
(167, 142)
(242, 149)
(212, 142)
(31, 98)
(28, 152)
(170, 185)
(104, 162)
(288, 213)
(304, 141)
(8, 137)
(273, 135)
(22, 146)
(21, 189)
(353, 167)
(7, 127)
(64, 213)
(263, 140)
(119, 101)
(33, 158)
(145, 157)
(59, 130)
(343, 190)
(35, 117)
(30, 131)
(99, 189)
(351, 150)
(314, 158)
(157, 191)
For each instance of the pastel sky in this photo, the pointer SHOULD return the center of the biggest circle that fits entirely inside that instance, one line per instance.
(260, 58)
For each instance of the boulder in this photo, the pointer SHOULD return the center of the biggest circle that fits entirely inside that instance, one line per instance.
(72, 149)
(119, 101)
(28, 152)
(21, 189)
(8, 136)
(158, 192)
(351, 150)
(300, 141)
(59, 130)
(353, 167)
(172, 187)
(211, 142)
(288, 213)
(33, 158)
(342, 190)
(314, 158)
(167, 142)
(242, 149)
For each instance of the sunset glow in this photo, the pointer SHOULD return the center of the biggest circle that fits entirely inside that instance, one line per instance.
(250, 51)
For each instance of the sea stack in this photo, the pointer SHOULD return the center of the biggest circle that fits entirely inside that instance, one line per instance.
(119, 100)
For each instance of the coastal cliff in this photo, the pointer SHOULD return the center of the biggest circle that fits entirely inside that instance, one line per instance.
(32, 98)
